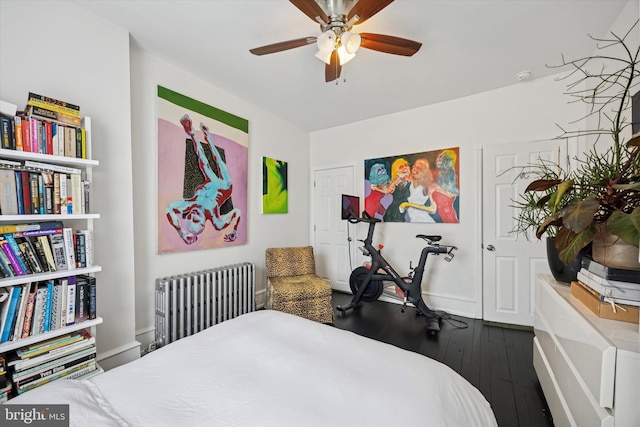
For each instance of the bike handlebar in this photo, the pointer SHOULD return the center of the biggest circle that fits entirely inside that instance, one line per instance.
(364, 218)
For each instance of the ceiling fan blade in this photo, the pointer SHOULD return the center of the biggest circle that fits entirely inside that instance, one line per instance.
(366, 9)
(389, 44)
(311, 9)
(279, 47)
(333, 69)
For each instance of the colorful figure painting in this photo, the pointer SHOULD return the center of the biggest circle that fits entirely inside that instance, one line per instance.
(275, 198)
(420, 187)
(202, 175)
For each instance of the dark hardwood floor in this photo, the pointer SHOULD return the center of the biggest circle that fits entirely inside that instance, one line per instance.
(498, 361)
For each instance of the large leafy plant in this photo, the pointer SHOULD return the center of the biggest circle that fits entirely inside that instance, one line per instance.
(602, 193)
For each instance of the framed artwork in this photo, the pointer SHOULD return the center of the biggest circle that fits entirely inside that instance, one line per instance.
(275, 197)
(202, 175)
(419, 187)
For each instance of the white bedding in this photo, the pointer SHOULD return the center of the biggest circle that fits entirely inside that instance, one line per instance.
(272, 369)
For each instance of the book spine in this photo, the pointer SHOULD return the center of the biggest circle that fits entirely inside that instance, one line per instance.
(67, 235)
(5, 132)
(24, 298)
(93, 306)
(33, 129)
(8, 192)
(5, 266)
(82, 299)
(39, 166)
(47, 114)
(49, 303)
(57, 247)
(11, 314)
(19, 192)
(26, 192)
(13, 244)
(48, 137)
(53, 104)
(53, 370)
(35, 195)
(48, 253)
(71, 300)
(64, 208)
(13, 260)
(17, 123)
(28, 313)
(26, 134)
(76, 193)
(81, 250)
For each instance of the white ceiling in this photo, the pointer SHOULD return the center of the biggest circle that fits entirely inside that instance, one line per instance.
(469, 46)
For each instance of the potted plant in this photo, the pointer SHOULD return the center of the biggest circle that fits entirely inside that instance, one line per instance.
(600, 197)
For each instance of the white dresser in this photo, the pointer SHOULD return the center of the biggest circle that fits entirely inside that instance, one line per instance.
(588, 367)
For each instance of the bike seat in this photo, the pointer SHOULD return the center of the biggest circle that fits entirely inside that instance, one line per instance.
(429, 237)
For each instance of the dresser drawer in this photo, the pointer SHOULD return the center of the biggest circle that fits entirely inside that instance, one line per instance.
(580, 350)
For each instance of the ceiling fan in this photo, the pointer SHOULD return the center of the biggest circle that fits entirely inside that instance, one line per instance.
(337, 44)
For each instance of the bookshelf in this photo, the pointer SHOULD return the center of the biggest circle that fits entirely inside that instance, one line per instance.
(75, 221)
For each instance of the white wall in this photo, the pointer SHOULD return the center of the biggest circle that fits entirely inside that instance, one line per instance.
(60, 50)
(523, 112)
(268, 136)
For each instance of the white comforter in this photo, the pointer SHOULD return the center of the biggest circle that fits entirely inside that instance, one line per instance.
(272, 369)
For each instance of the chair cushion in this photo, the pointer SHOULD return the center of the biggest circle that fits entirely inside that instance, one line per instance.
(293, 288)
(292, 261)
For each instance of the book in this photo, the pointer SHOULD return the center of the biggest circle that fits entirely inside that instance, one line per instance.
(64, 200)
(53, 104)
(88, 246)
(39, 308)
(93, 306)
(19, 192)
(28, 313)
(13, 260)
(69, 249)
(47, 308)
(56, 307)
(8, 192)
(5, 133)
(48, 115)
(81, 250)
(70, 142)
(24, 299)
(17, 124)
(5, 267)
(33, 226)
(40, 167)
(611, 273)
(71, 300)
(82, 299)
(47, 179)
(13, 244)
(48, 253)
(5, 302)
(57, 248)
(7, 327)
(76, 194)
(48, 345)
(35, 192)
(26, 192)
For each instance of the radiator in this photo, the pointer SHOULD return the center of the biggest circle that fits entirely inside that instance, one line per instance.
(190, 302)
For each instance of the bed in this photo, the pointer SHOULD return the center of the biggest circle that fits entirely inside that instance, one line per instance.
(269, 368)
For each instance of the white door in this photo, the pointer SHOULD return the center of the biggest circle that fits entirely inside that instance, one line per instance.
(331, 246)
(511, 262)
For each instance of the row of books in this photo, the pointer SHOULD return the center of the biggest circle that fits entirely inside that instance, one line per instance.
(34, 188)
(49, 247)
(69, 356)
(45, 126)
(35, 308)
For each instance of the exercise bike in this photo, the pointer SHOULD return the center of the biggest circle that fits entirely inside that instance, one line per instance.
(367, 285)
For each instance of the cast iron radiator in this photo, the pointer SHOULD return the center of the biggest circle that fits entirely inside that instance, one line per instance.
(190, 302)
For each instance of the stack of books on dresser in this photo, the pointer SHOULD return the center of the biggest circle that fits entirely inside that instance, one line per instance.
(612, 293)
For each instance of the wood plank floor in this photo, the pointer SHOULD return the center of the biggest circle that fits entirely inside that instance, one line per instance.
(498, 361)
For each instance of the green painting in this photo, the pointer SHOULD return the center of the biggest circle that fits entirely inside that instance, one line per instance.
(275, 198)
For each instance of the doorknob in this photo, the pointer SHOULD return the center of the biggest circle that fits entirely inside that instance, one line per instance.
(491, 248)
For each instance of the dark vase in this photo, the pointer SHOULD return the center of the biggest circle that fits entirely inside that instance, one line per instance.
(561, 272)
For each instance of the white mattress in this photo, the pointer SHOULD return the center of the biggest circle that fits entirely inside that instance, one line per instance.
(272, 369)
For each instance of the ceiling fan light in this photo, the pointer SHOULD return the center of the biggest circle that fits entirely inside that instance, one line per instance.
(345, 56)
(350, 41)
(326, 41)
(324, 56)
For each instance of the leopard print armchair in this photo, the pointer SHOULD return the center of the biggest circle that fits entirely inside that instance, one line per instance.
(293, 286)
